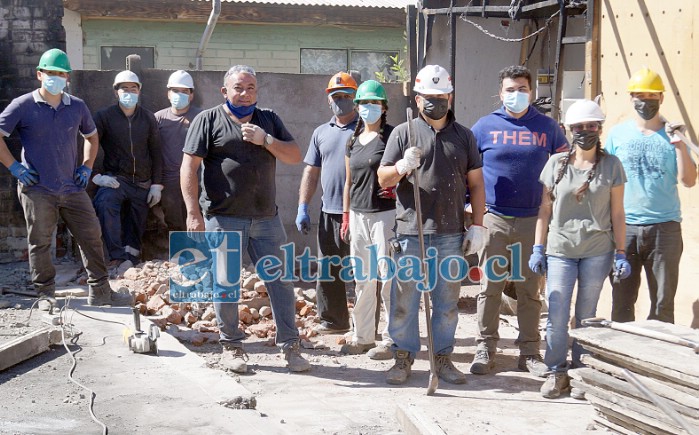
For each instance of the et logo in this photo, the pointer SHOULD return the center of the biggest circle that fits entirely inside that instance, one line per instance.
(207, 266)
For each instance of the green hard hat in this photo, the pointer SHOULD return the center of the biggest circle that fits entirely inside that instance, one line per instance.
(370, 90)
(54, 60)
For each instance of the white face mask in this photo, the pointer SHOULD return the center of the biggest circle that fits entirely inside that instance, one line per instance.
(370, 113)
(179, 100)
(128, 100)
(516, 102)
(54, 85)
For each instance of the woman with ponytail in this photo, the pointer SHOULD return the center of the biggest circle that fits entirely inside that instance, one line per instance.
(368, 219)
(581, 227)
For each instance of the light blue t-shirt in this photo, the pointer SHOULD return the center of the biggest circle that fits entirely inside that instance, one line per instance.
(650, 163)
(327, 151)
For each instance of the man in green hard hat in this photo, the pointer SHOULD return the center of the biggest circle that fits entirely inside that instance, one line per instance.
(50, 182)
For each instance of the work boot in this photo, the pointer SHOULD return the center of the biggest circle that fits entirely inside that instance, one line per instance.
(399, 373)
(47, 303)
(556, 383)
(380, 352)
(577, 393)
(446, 370)
(294, 361)
(104, 295)
(483, 362)
(323, 329)
(533, 364)
(234, 359)
(354, 348)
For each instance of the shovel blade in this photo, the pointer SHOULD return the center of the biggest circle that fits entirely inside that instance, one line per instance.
(434, 384)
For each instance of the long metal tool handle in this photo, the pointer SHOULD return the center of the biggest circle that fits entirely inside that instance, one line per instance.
(434, 378)
(660, 403)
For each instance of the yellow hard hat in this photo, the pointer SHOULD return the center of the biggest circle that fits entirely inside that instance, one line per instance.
(645, 80)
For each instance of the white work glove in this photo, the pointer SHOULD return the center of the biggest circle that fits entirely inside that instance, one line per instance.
(105, 181)
(671, 128)
(154, 194)
(476, 239)
(410, 161)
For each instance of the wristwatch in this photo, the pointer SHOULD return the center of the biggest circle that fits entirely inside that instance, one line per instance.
(269, 139)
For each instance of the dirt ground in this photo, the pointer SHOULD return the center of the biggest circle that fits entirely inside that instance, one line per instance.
(340, 395)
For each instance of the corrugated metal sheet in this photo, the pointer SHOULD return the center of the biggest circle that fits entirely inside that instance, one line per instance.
(393, 4)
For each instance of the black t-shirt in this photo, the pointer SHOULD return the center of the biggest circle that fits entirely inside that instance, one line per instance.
(447, 156)
(237, 177)
(364, 161)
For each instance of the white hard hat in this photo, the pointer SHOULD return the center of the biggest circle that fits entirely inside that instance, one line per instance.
(126, 77)
(433, 80)
(583, 111)
(180, 79)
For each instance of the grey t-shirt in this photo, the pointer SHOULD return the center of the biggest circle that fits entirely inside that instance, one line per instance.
(447, 156)
(173, 130)
(581, 229)
(327, 151)
(237, 177)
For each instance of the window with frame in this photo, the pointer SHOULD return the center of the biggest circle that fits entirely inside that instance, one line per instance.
(114, 58)
(329, 61)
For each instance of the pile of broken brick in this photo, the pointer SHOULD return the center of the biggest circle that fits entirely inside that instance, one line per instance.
(195, 322)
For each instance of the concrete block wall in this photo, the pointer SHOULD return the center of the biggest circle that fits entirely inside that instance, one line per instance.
(267, 48)
(27, 29)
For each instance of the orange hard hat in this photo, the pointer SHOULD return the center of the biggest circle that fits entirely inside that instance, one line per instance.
(342, 82)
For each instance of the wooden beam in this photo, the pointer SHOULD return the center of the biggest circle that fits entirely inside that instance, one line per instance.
(241, 13)
(22, 348)
(414, 422)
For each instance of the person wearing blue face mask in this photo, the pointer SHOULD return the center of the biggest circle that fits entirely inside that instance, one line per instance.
(515, 143)
(236, 145)
(173, 124)
(129, 179)
(50, 182)
(368, 217)
(327, 151)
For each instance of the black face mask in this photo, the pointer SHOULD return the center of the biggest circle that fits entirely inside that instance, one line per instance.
(646, 109)
(435, 108)
(586, 140)
(342, 106)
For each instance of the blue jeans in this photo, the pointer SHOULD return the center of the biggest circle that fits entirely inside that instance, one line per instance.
(405, 298)
(260, 237)
(590, 274)
(656, 248)
(122, 213)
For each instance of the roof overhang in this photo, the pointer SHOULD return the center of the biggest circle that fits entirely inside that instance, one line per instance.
(239, 12)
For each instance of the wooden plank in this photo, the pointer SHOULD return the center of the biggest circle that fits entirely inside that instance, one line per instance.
(414, 422)
(615, 425)
(672, 383)
(248, 13)
(640, 365)
(22, 348)
(635, 406)
(662, 354)
(671, 391)
(587, 378)
(633, 419)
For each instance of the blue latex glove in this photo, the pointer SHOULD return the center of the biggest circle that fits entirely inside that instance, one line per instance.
(82, 176)
(26, 176)
(303, 221)
(537, 261)
(622, 267)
